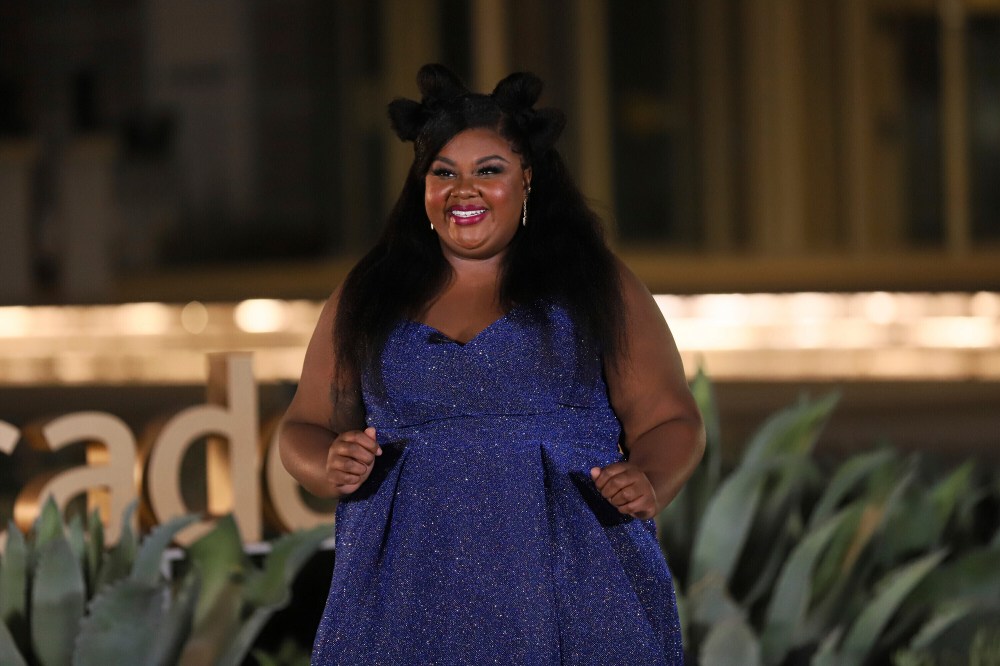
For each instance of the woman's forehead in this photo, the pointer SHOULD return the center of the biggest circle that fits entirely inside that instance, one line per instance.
(477, 142)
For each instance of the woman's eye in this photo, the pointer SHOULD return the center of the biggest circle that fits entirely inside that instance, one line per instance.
(491, 169)
(441, 172)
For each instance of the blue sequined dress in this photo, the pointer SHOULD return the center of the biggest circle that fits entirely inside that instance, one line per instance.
(479, 538)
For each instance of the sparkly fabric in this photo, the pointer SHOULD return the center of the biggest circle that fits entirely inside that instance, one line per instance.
(480, 538)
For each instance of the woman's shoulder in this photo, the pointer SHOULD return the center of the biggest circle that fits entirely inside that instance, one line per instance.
(637, 300)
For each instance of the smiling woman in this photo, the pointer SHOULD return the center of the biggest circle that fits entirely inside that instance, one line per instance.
(500, 408)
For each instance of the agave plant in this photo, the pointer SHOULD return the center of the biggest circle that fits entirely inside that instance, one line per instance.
(782, 561)
(65, 599)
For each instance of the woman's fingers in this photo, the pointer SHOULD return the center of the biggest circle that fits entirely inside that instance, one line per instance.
(351, 458)
(626, 488)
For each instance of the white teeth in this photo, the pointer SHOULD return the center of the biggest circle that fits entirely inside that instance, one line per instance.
(468, 213)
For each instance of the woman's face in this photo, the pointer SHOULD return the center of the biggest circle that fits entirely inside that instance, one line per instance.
(473, 194)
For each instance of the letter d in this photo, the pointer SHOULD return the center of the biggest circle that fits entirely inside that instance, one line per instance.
(232, 472)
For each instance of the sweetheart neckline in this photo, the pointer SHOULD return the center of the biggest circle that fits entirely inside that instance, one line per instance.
(483, 331)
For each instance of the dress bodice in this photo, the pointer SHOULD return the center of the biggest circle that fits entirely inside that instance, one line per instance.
(528, 362)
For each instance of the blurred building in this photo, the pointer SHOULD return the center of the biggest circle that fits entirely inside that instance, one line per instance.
(733, 145)
(167, 164)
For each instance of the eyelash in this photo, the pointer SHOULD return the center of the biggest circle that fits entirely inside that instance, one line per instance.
(488, 170)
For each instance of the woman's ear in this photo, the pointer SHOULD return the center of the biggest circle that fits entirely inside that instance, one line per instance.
(527, 178)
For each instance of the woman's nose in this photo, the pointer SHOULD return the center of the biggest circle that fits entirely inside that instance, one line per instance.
(464, 187)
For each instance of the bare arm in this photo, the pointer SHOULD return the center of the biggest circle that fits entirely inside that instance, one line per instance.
(323, 443)
(664, 435)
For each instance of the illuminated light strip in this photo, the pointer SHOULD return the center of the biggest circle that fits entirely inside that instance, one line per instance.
(870, 335)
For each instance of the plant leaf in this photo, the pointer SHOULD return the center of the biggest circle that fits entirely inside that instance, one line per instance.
(117, 563)
(947, 494)
(767, 562)
(848, 476)
(793, 430)
(74, 534)
(730, 642)
(14, 588)
(168, 645)
(845, 569)
(48, 525)
(269, 590)
(9, 653)
(222, 566)
(57, 603)
(218, 556)
(272, 586)
(786, 612)
(975, 575)
(146, 569)
(826, 653)
(775, 524)
(892, 590)
(724, 527)
(709, 601)
(122, 624)
(943, 618)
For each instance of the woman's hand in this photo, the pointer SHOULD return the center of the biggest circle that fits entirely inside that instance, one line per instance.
(350, 460)
(627, 488)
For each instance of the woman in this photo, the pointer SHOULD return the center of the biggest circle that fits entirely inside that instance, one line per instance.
(499, 407)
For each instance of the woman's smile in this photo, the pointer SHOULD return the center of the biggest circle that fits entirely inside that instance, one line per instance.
(467, 215)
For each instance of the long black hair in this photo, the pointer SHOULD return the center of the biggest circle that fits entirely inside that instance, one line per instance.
(560, 256)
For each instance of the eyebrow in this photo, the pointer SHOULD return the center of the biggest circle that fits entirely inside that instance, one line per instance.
(488, 158)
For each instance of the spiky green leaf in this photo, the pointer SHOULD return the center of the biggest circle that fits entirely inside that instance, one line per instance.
(269, 589)
(117, 563)
(944, 617)
(220, 561)
(850, 475)
(724, 527)
(146, 569)
(57, 602)
(789, 603)
(792, 431)
(709, 601)
(122, 625)
(892, 590)
(77, 541)
(48, 525)
(10, 655)
(947, 494)
(974, 575)
(766, 562)
(14, 587)
(731, 642)
(826, 653)
(168, 645)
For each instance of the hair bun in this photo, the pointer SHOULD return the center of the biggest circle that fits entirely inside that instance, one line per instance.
(407, 118)
(518, 91)
(438, 83)
(516, 94)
